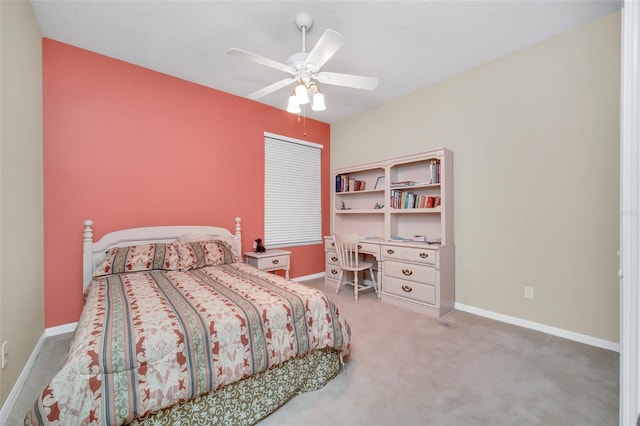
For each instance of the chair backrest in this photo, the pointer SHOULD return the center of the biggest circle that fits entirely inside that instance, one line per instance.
(347, 250)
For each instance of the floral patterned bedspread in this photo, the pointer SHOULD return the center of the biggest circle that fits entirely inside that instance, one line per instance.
(149, 340)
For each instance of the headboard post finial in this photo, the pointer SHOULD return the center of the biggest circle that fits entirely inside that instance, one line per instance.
(87, 234)
(238, 230)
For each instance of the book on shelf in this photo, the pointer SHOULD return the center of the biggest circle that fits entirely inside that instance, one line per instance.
(430, 202)
(352, 184)
(411, 183)
(434, 171)
(403, 183)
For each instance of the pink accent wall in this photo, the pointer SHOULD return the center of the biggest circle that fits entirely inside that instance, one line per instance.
(130, 147)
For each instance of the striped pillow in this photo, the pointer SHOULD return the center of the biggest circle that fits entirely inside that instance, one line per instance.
(144, 257)
(198, 254)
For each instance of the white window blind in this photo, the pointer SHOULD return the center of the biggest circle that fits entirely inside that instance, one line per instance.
(292, 192)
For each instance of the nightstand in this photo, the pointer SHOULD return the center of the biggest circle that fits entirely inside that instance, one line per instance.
(270, 260)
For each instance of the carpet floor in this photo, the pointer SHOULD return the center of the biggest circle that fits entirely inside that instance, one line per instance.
(408, 369)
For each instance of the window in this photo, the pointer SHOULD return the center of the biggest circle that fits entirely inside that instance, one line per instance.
(292, 192)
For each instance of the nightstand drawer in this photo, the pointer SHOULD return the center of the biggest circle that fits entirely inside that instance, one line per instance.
(408, 271)
(270, 260)
(411, 290)
(273, 262)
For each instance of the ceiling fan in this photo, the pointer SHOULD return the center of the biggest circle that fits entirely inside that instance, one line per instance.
(305, 69)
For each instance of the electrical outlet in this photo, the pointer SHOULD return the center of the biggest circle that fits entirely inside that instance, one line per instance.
(5, 353)
(528, 292)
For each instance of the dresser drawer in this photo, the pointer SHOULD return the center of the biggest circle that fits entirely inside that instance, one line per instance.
(332, 257)
(414, 254)
(370, 248)
(331, 271)
(329, 244)
(411, 290)
(409, 271)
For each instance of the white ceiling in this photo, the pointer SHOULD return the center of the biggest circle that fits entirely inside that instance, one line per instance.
(408, 45)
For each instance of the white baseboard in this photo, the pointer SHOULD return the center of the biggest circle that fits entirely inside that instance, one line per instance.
(566, 334)
(17, 387)
(308, 277)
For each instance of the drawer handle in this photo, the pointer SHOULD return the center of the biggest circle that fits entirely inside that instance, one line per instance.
(334, 271)
(407, 272)
(333, 244)
(424, 255)
(275, 261)
(335, 259)
(390, 251)
(407, 289)
(359, 246)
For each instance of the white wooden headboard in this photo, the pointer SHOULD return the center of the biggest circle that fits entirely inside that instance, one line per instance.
(94, 252)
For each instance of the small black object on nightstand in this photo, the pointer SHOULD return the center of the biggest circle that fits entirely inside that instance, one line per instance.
(259, 247)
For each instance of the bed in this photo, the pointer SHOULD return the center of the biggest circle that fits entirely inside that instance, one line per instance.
(176, 329)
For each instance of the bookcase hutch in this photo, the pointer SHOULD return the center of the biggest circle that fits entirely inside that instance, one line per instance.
(402, 210)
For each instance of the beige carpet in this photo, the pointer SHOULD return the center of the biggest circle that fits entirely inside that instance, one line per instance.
(408, 369)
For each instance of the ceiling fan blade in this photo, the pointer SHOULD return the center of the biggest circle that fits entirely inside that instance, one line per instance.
(243, 54)
(325, 48)
(271, 88)
(348, 80)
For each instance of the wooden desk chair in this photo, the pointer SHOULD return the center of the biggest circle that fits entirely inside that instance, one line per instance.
(349, 260)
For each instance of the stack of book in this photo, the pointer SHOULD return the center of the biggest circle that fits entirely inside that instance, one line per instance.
(345, 183)
(410, 200)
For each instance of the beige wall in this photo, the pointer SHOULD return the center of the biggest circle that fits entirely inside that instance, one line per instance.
(21, 217)
(535, 137)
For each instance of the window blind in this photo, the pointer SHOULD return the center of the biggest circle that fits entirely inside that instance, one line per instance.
(292, 192)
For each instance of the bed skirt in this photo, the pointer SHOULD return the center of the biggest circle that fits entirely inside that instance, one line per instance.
(248, 401)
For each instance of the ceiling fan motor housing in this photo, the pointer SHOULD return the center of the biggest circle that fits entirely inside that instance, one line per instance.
(304, 20)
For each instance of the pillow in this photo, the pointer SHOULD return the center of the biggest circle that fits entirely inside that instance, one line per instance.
(143, 257)
(198, 254)
(229, 239)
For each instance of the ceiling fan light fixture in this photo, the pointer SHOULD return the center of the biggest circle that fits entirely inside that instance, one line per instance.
(302, 95)
(305, 68)
(318, 102)
(293, 106)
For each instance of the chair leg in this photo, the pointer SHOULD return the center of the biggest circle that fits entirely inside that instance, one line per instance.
(339, 279)
(375, 284)
(355, 284)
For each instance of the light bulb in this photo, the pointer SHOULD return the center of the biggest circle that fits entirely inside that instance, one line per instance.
(301, 94)
(318, 102)
(293, 106)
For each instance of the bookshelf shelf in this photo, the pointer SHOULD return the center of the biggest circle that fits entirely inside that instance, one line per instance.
(360, 211)
(364, 191)
(433, 210)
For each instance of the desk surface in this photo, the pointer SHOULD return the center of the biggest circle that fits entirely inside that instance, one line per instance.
(403, 243)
